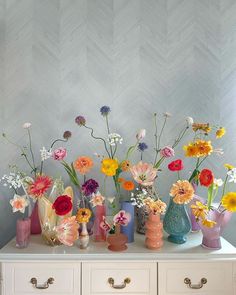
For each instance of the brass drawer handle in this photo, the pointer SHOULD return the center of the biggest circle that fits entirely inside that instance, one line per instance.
(188, 282)
(34, 282)
(111, 281)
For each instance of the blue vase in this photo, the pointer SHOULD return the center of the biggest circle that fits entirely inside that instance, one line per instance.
(129, 229)
(176, 222)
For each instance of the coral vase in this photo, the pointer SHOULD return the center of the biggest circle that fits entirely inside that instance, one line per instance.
(117, 241)
(176, 223)
(154, 232)
(212, 236)
(128, 230)
(99, 233)
(35, 223)
(22, 232)
(83, 236)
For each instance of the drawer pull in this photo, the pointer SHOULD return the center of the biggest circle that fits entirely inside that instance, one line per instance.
(49, 282)
(111, 281)
(188, 282)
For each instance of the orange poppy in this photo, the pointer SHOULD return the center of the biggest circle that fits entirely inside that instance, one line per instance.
(128, 185)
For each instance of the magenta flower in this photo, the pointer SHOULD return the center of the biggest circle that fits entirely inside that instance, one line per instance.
(89, 187)
(122, 218)
(167, 152)
(143, 173)
(59, 154)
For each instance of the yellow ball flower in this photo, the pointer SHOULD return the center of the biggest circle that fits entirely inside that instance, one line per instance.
(229, 201)
(220, 132)
(229, 166)
(109, 166)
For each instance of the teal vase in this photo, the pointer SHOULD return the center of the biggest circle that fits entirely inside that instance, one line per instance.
(176, 223)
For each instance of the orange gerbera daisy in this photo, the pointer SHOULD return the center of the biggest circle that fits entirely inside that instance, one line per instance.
(199, 210)
(204, 148)
(40, 185)
(128, 185)
(83, 164)
(182, 192)
(125, 165)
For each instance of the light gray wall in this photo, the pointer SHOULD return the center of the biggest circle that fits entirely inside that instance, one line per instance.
(61, 58)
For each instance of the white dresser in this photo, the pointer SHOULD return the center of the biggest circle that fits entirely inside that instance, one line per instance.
(174, 270)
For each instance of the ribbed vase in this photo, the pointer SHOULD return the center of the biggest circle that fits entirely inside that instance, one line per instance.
(154, 232)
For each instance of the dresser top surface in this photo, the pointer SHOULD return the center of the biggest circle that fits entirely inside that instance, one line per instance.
(191, 250)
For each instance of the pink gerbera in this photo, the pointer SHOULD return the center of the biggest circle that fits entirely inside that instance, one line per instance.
(144, 173)
(40, 185)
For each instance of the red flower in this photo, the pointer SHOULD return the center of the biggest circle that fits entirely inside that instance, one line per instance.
(206, 177)
(62, 205)
(176, 165)
(40, 185)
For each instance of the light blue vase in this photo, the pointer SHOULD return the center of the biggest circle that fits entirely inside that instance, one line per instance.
(129, 229)
(176, 222)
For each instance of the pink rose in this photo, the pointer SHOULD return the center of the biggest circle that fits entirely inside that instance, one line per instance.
(167, 152)
(59, 154)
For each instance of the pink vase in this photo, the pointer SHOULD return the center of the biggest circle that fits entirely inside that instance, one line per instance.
(98, 232)
(35, 223)
(22, 232)
(211, 236)
(117, 241)
(154, 232)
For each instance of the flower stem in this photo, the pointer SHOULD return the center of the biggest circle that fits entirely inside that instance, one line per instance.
(108, 132)
(31, 151)
(57, 140)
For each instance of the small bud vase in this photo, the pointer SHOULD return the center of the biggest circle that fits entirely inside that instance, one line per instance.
(83, 236)
(117, 241)
(154, 232)
(99, 233)
(23, 232)
(212, 236)
(176, 223)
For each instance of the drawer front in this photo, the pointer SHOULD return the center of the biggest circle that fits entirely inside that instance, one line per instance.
(17, 278)
(219, 276)
(142, 276)
(234, 276)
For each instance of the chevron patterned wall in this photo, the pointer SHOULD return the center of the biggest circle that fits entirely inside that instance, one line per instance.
(61, 58)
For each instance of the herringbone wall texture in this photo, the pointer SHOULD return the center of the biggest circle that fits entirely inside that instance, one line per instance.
(61, 58)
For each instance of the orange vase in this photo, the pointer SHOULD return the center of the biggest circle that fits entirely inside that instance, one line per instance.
(154, 232)
(117, 241)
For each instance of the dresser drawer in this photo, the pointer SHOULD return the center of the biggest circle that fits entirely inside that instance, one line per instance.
(173, 278)
(119, 278)
(17, 278)
(234, 278)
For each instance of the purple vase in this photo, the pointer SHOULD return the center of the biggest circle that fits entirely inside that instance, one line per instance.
(211, 236)
(35, 223)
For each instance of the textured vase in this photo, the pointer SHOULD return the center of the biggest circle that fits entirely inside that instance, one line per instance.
(99, 233)
(83, 236)
(142, 216)
(129, 229)
(176, 222)
(117, 241)
(23, 232)
(35, 223)
(154, 232)
(212, 236)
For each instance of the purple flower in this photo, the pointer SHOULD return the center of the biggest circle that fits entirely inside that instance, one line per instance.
(80, 120)
(105, 110)
(89, 187)
(67, 134)
(142, 146)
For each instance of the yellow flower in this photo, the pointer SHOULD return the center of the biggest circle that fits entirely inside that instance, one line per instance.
(205, 127)
(109, 166)
(199, 148)
(83, 215)
(229, 201)
(199, 210)
(228, 166)
(208, 223)
(125, 165)
(220, 132)
(158, 207)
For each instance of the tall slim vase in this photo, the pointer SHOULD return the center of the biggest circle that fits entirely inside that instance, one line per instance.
(129, 229)
(35, 223)
(176, 223)
(99, 233)
(154, 232)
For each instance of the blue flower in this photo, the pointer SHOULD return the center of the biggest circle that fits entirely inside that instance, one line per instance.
(105, 110)
(142, 146)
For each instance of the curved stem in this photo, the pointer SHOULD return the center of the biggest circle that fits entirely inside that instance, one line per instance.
(108, 132)
(31, 151)
(181, 135)
(61, 140)
(98, 138)
(113, 154)
(156, 140)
